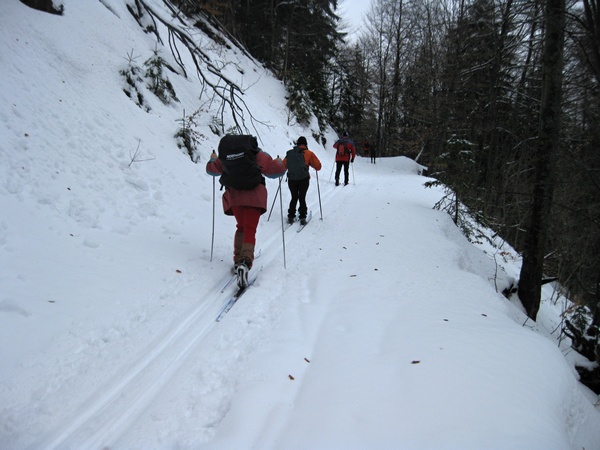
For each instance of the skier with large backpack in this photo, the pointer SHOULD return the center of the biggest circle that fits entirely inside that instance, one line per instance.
(298, 161)
(344, 155)
(241, 165)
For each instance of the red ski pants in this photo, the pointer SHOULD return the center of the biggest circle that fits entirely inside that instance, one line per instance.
(247, 221)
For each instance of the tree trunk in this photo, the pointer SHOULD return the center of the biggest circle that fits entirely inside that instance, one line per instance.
(544, 161)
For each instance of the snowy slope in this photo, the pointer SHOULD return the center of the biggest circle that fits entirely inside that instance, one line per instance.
(385, 329)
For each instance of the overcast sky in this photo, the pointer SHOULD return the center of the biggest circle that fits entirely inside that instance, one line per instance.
(353, 11)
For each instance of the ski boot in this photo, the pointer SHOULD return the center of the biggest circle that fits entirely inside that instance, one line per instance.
(242, 274)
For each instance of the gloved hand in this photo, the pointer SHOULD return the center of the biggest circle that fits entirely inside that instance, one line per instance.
(352, 160)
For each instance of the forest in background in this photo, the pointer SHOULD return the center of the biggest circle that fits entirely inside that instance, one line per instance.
(498, 98)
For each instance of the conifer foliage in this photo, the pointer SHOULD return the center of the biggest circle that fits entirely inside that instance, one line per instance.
(134, 82)
(159, 83)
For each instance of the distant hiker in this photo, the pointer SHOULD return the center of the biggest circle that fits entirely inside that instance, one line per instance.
(366, 147)
(298, 161)
(241, 165)
(344, 155)
(373, 155)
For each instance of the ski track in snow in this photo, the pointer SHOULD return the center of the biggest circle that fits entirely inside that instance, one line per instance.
(114, 408)
(104, 417)
(112, 411)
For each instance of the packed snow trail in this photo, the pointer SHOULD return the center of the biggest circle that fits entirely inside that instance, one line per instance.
(112, 408)
(108, 414)
(233, 299)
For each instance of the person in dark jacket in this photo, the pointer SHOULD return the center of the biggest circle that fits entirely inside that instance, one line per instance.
(298, 161)
(373, 155)
(344, 155)
(246, 206)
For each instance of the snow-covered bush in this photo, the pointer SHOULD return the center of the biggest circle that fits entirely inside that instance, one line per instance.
(159, 84)
(133, 82)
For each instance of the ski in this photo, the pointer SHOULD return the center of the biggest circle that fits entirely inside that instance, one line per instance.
(236, 295)
(234, 275)
(301, 227)
(231, 279)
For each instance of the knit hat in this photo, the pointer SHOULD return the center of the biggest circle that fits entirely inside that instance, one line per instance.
(301, 141)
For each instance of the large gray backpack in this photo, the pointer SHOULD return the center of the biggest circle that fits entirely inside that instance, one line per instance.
(297, 169)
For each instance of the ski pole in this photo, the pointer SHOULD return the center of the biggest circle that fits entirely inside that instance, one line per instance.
(319, 191)
(275, 198)
(282, 229)
(212, 240)
(353, 177)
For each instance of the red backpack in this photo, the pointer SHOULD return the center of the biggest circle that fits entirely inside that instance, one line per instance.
(342, 150)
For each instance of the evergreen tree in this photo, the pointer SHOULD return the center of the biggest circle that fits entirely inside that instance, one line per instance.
(349, 90)
(159, 84)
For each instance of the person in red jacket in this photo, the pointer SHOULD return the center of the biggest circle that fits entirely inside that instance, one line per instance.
(246, 205)
(366, 147)
(344, 155)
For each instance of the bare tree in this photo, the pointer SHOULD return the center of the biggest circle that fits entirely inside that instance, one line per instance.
(212, 77)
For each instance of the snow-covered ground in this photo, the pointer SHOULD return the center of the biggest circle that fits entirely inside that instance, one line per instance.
(385, 329)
